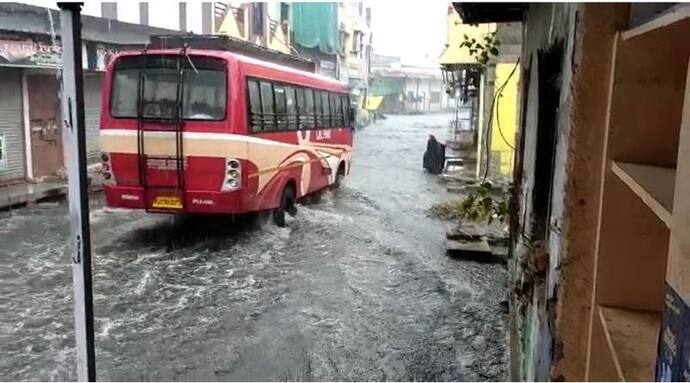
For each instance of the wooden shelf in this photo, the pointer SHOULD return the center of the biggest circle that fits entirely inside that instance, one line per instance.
(632, 337)
(653, 184)
(676, 16)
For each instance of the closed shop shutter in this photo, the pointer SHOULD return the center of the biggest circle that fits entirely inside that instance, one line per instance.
(92, 114)
(11, 127)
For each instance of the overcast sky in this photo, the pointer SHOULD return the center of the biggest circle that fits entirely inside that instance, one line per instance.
(410, 29)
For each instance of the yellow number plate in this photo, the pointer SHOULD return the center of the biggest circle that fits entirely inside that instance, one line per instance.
(167, 203)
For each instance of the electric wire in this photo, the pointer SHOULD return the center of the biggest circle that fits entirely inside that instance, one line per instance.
(489, 121)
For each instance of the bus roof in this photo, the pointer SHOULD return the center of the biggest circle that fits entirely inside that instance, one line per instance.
(253, 67)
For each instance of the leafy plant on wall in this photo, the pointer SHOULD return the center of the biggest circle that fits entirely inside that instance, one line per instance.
(482, 49)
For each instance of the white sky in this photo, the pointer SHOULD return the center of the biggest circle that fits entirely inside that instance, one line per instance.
(409, 29)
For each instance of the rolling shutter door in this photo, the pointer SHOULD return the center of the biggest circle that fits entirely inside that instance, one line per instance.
(11, 126)
(92, 114)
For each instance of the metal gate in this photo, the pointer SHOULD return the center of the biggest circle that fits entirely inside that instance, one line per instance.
(12, 166)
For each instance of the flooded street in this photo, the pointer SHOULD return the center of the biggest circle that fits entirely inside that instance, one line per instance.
(357, 287)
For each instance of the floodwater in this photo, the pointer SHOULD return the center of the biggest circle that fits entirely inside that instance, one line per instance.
(357, 287)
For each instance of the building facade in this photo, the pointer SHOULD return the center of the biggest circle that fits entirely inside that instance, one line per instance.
(355, 48)
(407, 87)
(31, 145)
(496, 98)
(263, 24)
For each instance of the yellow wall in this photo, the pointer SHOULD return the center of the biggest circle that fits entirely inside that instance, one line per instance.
(455, 32)
(505, 113)
(229, 27)
(278, 40)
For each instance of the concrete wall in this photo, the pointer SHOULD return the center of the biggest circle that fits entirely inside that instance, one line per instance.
(532, 332)
(424, 87)
(551, 279)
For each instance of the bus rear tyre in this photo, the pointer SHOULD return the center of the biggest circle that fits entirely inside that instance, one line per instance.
(287, 205)
(339, 176)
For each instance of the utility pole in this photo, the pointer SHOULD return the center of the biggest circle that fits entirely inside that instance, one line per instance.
(80, 240)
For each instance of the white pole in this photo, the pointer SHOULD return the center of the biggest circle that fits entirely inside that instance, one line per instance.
(74, 132)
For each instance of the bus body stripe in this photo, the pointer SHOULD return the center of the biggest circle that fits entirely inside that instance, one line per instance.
(269, 156)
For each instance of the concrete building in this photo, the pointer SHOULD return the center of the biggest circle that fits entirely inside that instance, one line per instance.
(355, 52)
(263, 24)
(408, 87)
(600, 228)
(31, 147)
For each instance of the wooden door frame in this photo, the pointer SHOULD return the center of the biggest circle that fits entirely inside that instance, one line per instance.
(26, 113)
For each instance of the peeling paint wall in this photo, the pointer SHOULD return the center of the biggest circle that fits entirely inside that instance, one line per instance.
(552, 280)
(534, 261)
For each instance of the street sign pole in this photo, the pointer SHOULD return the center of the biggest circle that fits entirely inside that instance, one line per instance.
(80, 240)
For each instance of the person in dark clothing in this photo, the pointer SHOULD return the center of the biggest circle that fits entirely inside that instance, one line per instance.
(434, 156)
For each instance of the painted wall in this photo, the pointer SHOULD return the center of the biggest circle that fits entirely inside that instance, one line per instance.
(355, 63)
(504, 120)
(277, 39)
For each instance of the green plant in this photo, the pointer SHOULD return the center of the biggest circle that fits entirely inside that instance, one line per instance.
(477, 206)
(482, 49)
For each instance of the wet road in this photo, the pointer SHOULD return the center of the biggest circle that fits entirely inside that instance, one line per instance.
(357, 287)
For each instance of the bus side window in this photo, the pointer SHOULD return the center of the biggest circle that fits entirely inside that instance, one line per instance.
(335, 106)
(268, 116)
(318, 111)
(301, 108)
(254, 106)
(342, 104)
(280, 107)
(350, 113)
(325, 110)
(291, 107)
(309, 109)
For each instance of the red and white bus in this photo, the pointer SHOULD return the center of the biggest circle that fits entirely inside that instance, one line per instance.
(200, 131)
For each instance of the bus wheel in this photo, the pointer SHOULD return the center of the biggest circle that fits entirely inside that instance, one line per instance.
(339, 176)
(287, 204)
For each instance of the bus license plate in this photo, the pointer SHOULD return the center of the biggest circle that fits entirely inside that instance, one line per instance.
(167, 203)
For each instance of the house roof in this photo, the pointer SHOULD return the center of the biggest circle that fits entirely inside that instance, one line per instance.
(477, 13)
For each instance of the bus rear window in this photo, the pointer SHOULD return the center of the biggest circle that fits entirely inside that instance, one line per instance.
(204, 88)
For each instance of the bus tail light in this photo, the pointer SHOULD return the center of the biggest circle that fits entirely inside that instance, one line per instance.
(233, 175)
(107, 170)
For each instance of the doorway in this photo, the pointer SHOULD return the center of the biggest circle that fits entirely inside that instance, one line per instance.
(45, 126)
(549, 66)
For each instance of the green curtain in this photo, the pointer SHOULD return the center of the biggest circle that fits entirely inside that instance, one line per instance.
(315, 25)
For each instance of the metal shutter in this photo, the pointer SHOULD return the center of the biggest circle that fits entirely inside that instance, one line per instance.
(11, 126)
(92, 114)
